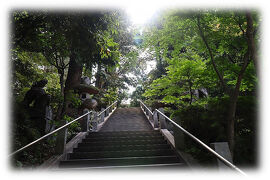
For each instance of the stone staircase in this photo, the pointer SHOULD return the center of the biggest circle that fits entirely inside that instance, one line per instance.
(122, 149)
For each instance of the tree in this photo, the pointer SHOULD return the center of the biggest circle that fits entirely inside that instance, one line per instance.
(225, 42)
(240, 58)
(73, 40)
(184, 76)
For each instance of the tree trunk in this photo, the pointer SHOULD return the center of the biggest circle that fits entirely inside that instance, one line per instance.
(235, 93)
(61, 78)
(98, 78)
(74, 74)
(251, 40)
(233, 102)
(73, 79)
(250, 52)
(231, 120)
(60, 105)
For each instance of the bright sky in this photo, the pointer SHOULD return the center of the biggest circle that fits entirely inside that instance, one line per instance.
(140, 14)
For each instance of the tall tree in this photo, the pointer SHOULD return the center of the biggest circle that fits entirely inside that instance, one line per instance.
(226, 43)
(240, 57)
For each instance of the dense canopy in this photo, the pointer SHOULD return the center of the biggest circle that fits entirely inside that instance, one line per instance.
(206, 72)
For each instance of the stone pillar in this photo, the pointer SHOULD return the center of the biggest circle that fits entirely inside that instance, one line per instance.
(162, 120)
(107, 112)
(150, 115)
(222, 148)
(48, 118)
(85, 121)
(94, 121)
(179, 136)
(149, 112)
(102, 115)
(61, 139)
(155, 118)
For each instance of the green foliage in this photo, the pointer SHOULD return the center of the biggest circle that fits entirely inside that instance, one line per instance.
(209, 125)
(137, 94)
(181, 43)
(74, 99)
(110, 96)
(246, 152)
(184, 74)
(44, 43)
(72, 128)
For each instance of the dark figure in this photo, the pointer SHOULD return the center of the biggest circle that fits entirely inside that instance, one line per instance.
(40, 100)
(35, 92)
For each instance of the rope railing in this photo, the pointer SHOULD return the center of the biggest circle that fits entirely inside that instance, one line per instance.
(225, 161)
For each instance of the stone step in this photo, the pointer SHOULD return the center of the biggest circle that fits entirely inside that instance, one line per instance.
(118, 145)
(118, 154)
(122, 133)
(170, 166)
(86, 142)
(104, 147)
(126, 161)
(122, 138)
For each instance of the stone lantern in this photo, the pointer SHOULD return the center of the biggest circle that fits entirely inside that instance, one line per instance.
(88, 103)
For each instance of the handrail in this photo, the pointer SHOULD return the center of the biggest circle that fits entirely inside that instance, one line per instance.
(58, 129)
(47, 135)
(107, 108)
(145, 106)
(225, 161)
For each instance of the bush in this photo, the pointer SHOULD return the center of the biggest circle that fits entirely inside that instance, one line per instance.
(208, 123)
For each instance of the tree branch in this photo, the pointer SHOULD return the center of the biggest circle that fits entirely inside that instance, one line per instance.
(210, 53)
(230, 58)
(240, 26)
(241, 74)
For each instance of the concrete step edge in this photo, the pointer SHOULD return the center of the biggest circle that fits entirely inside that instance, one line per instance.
(122, 137)
(152, 150)
(126, 166)
(123, 146)
(127, 153)
(124, 141)
(121, 158)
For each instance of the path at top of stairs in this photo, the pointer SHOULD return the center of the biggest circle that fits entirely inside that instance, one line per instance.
(127, 119)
